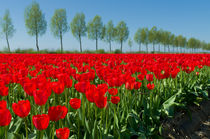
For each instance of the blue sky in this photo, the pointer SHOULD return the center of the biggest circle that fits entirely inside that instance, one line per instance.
(190, 18)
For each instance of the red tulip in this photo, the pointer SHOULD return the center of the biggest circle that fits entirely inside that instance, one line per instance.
(137, 85)
(129, 85)
(82, 86)
(29, 88)
(41, 122)
(65, 111)
(62, 133)
(75, 103)
(197, 73)
(22, 108)
(102, 89)
(4, 90)
(150, 86)
(40, 97)
(3, 104)
(68, 83)
(141, 77)
(57, 87)
(90, 93)
(113, 91)
(5, 117)
(149, 77)
(174, 73)
(100, 101)
(115, 99)
(56, 112)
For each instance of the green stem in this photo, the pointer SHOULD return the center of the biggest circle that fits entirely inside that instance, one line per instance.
(78, 126)
(115, 133)
(54, 98)
(66, 98)
(26, 128)
(53, 130)
(106, 112)
(41, 134)
(6, 137)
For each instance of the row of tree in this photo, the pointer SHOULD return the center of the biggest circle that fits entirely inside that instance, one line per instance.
(167, 40)
(95, 29)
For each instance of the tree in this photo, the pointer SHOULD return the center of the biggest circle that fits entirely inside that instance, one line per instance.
(144, 37)
(152, 36)
(191, 43)
(166, 39)
(95, 29)
(7, 27)
(206, 46)
(122, 33)
(172, 39)
(130, 43)
(109, 34)
(180, 41)
(176, 42)
(78, 27)
(183, 42)
(35, 21)
(59, 25)
(159, 37)
(138, 38)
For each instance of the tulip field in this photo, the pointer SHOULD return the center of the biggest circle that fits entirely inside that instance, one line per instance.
(97, 96)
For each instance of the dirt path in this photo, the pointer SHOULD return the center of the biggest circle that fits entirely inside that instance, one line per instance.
(203, 131)
(184, 127)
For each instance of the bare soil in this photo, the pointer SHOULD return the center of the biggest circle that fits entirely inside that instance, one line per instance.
(189, 126)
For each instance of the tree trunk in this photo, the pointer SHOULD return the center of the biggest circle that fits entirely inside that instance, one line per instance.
(173, 49)
(139, 47)
(147, 48)
(121, 46)
(153, 47)
(37, 45)
(164, 48)
(61, 39)
(159, 47)
(168, 49)
(7, 43)
(110, 46)
(80, 43)
(96, 44)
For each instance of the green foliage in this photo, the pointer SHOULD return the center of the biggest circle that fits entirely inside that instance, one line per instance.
(166, 37)
(95, 29)
(110, 33)
(152, 35)
(122, 33)
(172, 39)
(137, 36)
(117, 51)
(59, 24)
(130, 42)
(144, 36)
(35, 20)
(100, 51)
(6, 25)
(78, 27)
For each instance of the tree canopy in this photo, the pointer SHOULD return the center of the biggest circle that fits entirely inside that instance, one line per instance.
(35, 21)
(78, 27)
